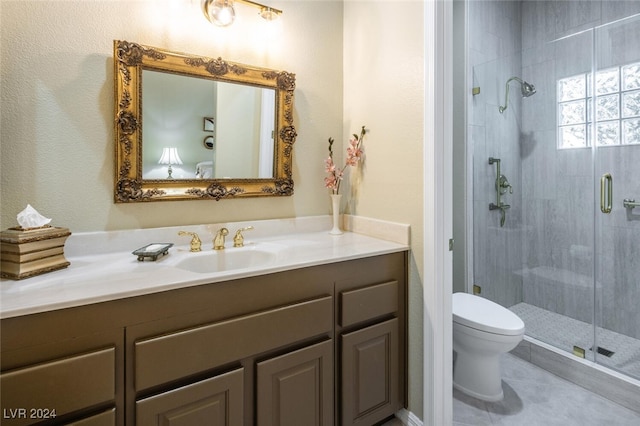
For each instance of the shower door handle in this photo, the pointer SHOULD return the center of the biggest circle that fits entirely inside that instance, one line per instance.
(606, 193)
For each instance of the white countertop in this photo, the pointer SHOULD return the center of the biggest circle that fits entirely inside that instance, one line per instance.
(103, 267)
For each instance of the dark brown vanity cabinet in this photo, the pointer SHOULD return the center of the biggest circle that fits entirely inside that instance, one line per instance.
(271, 365)
(322, 345)
(371, 330)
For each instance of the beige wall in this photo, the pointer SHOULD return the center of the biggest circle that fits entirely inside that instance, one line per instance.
(56, 124)
(384, 90)
(57, 112)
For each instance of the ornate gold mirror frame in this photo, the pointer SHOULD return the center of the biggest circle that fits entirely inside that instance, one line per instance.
(129, 60)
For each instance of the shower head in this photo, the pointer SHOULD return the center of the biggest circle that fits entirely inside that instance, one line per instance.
(527, 89)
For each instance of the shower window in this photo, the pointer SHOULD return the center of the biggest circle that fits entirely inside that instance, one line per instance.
(617, 106)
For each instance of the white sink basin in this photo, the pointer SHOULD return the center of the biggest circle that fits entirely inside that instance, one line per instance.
(207, 262)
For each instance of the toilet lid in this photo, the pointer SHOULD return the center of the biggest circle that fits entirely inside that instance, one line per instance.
(485, 315)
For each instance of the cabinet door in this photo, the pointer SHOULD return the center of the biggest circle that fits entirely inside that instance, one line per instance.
(297, 388)
(217, 401)
(370, 385)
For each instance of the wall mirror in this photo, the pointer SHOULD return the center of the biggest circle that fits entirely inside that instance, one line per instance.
(168, 103)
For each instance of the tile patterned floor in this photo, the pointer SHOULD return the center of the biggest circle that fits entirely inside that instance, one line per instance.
(535, 397)
(564, 332)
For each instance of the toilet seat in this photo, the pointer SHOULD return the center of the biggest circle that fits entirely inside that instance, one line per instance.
(484, 315)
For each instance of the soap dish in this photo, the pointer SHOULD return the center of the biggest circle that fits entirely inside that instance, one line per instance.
(152, 251)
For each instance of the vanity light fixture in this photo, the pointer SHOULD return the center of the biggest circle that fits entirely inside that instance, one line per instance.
(222, 12)
(170, 156)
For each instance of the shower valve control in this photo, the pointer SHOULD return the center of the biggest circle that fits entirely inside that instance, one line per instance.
(502, 184)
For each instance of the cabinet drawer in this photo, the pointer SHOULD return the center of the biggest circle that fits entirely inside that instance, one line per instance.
(63, 385)
(165, 358)
(214, 401)
(107, 418)
(369, 302)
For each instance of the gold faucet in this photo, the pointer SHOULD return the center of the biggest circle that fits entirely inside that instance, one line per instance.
(196, 244)
(218, 241)
(238, 239)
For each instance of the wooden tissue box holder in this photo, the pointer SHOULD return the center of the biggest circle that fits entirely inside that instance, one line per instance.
(25, 253)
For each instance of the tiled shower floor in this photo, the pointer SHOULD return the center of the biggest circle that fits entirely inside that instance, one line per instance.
(564, 332)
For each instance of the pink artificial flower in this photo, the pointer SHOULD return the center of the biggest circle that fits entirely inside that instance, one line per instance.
(354, 154)
(329, 166)
(330, 182)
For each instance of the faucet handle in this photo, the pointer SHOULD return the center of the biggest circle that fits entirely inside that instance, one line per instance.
(502, 185)
(508, 185)
(218, 240)
(238, 239)
(196, 244)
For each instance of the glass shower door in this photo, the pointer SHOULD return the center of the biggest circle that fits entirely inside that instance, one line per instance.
(565, 254)
(557, 196)
(616, 131)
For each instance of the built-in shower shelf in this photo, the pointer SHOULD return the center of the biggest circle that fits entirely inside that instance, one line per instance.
(560, 276)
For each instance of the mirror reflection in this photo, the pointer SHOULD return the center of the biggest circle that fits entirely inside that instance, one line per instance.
(197, 128)
(235, 121)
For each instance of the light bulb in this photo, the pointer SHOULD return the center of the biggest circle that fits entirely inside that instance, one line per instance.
(219, 12)
(268, 14)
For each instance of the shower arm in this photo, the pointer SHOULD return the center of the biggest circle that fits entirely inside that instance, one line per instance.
(506, 95)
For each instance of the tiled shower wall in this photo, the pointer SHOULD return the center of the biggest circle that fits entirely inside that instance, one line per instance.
(544, 255)
(494, 57)
(561, 186)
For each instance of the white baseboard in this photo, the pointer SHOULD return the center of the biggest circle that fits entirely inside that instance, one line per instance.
(408, 418)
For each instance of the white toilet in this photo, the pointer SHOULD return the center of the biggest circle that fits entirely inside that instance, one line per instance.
(482, 331)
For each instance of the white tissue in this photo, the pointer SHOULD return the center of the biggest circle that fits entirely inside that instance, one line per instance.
(30, 218)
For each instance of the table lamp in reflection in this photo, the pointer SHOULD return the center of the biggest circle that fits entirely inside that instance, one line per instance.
(170, 156)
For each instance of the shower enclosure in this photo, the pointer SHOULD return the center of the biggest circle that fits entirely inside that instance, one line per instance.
(566, 257)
